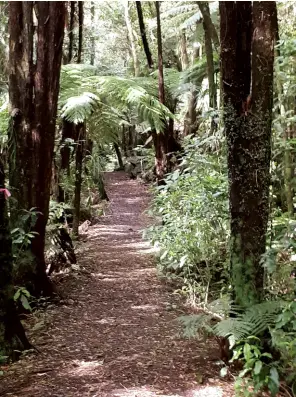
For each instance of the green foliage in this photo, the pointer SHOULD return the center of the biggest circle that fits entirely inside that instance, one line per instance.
(193, 208)
(259, 371)
(283, 336)
(22, 297)
(103, 100)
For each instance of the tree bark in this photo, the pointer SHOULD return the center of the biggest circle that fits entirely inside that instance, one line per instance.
(71, 30)
(160, 139)
(183, 50)
(80, 142)
(143, 35)
(209, 31)
(248, 133)
(33, 91)
(65, 153)
(207, 20)
(131, 39)
(12, 334)
(119, 157)
(92, 40)
(80, 31)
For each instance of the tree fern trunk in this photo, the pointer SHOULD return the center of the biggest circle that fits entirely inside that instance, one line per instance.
(119, 157)
(78, 176)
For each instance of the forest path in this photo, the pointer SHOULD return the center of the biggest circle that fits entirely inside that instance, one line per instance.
(116, 333)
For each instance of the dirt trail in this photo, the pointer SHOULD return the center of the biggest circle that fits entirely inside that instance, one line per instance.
(115, 333)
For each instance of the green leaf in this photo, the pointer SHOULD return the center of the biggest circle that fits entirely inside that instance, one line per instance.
(257, 367)
(244, 372)
(25, 302)
(17, 294)
(247, 351)
(274, 375)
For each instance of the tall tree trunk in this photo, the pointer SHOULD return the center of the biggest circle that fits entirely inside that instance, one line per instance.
(12, 334)
(209, 30)
(183, 50)
(207, 20)
(80, 145)
(33, 91)
(131, 39)
(190, 124)
(143, 35)
(92, 40)
(80, 31)
(248, 136)
(71, 30)
(160, 139)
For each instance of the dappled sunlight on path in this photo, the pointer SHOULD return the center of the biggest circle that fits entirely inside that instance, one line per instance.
(116, 333)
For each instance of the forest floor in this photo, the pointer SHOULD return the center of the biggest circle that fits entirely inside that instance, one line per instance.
(115, 331)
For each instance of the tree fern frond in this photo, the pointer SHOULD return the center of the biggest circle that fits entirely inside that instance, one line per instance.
(254, 321)
(78, 108)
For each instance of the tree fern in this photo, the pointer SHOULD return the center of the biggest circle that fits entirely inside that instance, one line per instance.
(252, 321)
(137, 94)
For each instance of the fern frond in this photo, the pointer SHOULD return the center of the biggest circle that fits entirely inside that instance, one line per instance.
(77, 109)
(254, 321)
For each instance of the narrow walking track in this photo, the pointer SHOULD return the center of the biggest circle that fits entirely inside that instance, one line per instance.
(115, 332)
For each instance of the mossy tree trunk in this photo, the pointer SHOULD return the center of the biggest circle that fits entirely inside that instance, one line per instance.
(33, 92)
(248, 131)
(12, 334)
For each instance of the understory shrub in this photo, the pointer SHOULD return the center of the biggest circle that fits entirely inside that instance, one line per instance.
(192, 236)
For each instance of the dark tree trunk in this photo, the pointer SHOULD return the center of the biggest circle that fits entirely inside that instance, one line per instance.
(143, 35)
(119, 157)
(209, 31)
(33, 91)
(207, 21)
(80, 31)
(248, 137)
(164, 142)
(124, 144)
(160, 139)
(71, 30)
(190, 124)
(12, 334)
(80, 153)
(92, 40)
